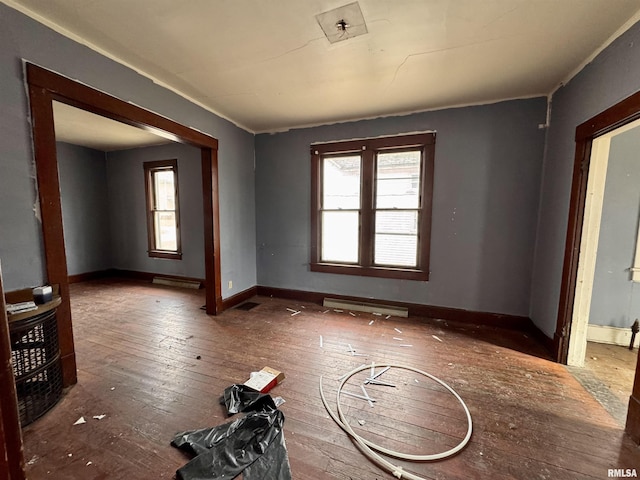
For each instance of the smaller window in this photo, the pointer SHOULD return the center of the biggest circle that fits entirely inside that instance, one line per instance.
(163, 213)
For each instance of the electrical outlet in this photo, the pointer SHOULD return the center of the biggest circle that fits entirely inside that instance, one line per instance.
(230, 284)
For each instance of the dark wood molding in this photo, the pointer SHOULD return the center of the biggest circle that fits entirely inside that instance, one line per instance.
(371, 271)
(541, 337)
(44, 139)
(239, 298)
(633, 416)
(165, 254)
(87, 98)
(211, 209)
(614, 117)
(149, 276)
(11, 449)
(87, 276)
(512, 322)
(367, 148)
(45, 87)
(572, 249)
(116, 272)
(149, 187)
(623, 112)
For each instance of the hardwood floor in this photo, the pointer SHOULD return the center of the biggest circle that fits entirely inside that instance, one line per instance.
(608, 374)
(155, 364)
(614, 365)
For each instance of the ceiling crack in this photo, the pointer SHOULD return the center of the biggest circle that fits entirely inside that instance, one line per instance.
(292, 50)
(439, 50)
(494, 20)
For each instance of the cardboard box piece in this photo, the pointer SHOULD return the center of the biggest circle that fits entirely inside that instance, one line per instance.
(265, 379)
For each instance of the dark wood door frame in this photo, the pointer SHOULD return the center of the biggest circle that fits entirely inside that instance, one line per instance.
(46, 86)
(624, 112)
(614, 117)
(11, 451)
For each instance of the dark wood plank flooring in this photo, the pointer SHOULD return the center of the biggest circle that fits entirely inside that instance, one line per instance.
(155, 364)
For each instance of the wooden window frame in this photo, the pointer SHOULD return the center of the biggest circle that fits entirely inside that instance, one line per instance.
(368, 148)
(149, 169)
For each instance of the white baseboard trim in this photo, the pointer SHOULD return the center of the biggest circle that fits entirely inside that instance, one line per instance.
(612, 335)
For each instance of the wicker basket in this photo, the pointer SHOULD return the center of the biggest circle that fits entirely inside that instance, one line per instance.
(35, 357)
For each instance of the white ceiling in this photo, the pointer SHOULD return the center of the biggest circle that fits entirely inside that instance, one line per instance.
(266, 64)
(80, 127)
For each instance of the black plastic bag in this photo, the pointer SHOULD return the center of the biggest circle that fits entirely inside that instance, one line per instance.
(252, 445)
(240, 398)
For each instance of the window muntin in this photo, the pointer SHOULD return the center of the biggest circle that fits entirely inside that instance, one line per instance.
(163, 218)
(371, 206)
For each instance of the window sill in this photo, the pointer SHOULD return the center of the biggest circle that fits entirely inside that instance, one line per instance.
(380, 272)
(165, 254)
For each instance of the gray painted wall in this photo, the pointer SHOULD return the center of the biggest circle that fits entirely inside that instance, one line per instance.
(21, 248)
(85, 208)
(127, 212)
(486, 195)
(612, 76)
(615, 301)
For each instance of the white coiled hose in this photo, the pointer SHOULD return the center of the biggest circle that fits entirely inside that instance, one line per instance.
(369, 448)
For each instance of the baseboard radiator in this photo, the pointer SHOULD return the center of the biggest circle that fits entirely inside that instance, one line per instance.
(176, 282)
(366, 307)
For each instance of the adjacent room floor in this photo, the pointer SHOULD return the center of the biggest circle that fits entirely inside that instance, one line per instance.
(608, 374)
(154, 364)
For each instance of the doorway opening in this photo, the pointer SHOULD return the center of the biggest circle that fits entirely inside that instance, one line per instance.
(45, 87)
(588, 275)
(604, 306)
(593, 141)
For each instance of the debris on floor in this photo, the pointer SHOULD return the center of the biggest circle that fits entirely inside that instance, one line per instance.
(354, 353)
(241, 398)
(80, 421)
(99, 417)
(361, 397)
(252, 446)
(265, 379)
(437, 338)
(251, 396)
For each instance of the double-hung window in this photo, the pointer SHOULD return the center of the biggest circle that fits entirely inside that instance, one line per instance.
(163, 213)
(371, 206)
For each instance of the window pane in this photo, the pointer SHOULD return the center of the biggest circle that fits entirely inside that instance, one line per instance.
(340, 237)
(164, 190)
(396, 241)
(341, 182)
(165, 226)
(398, 180)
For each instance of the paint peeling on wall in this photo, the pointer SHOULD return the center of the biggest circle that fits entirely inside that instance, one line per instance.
(33, 176)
